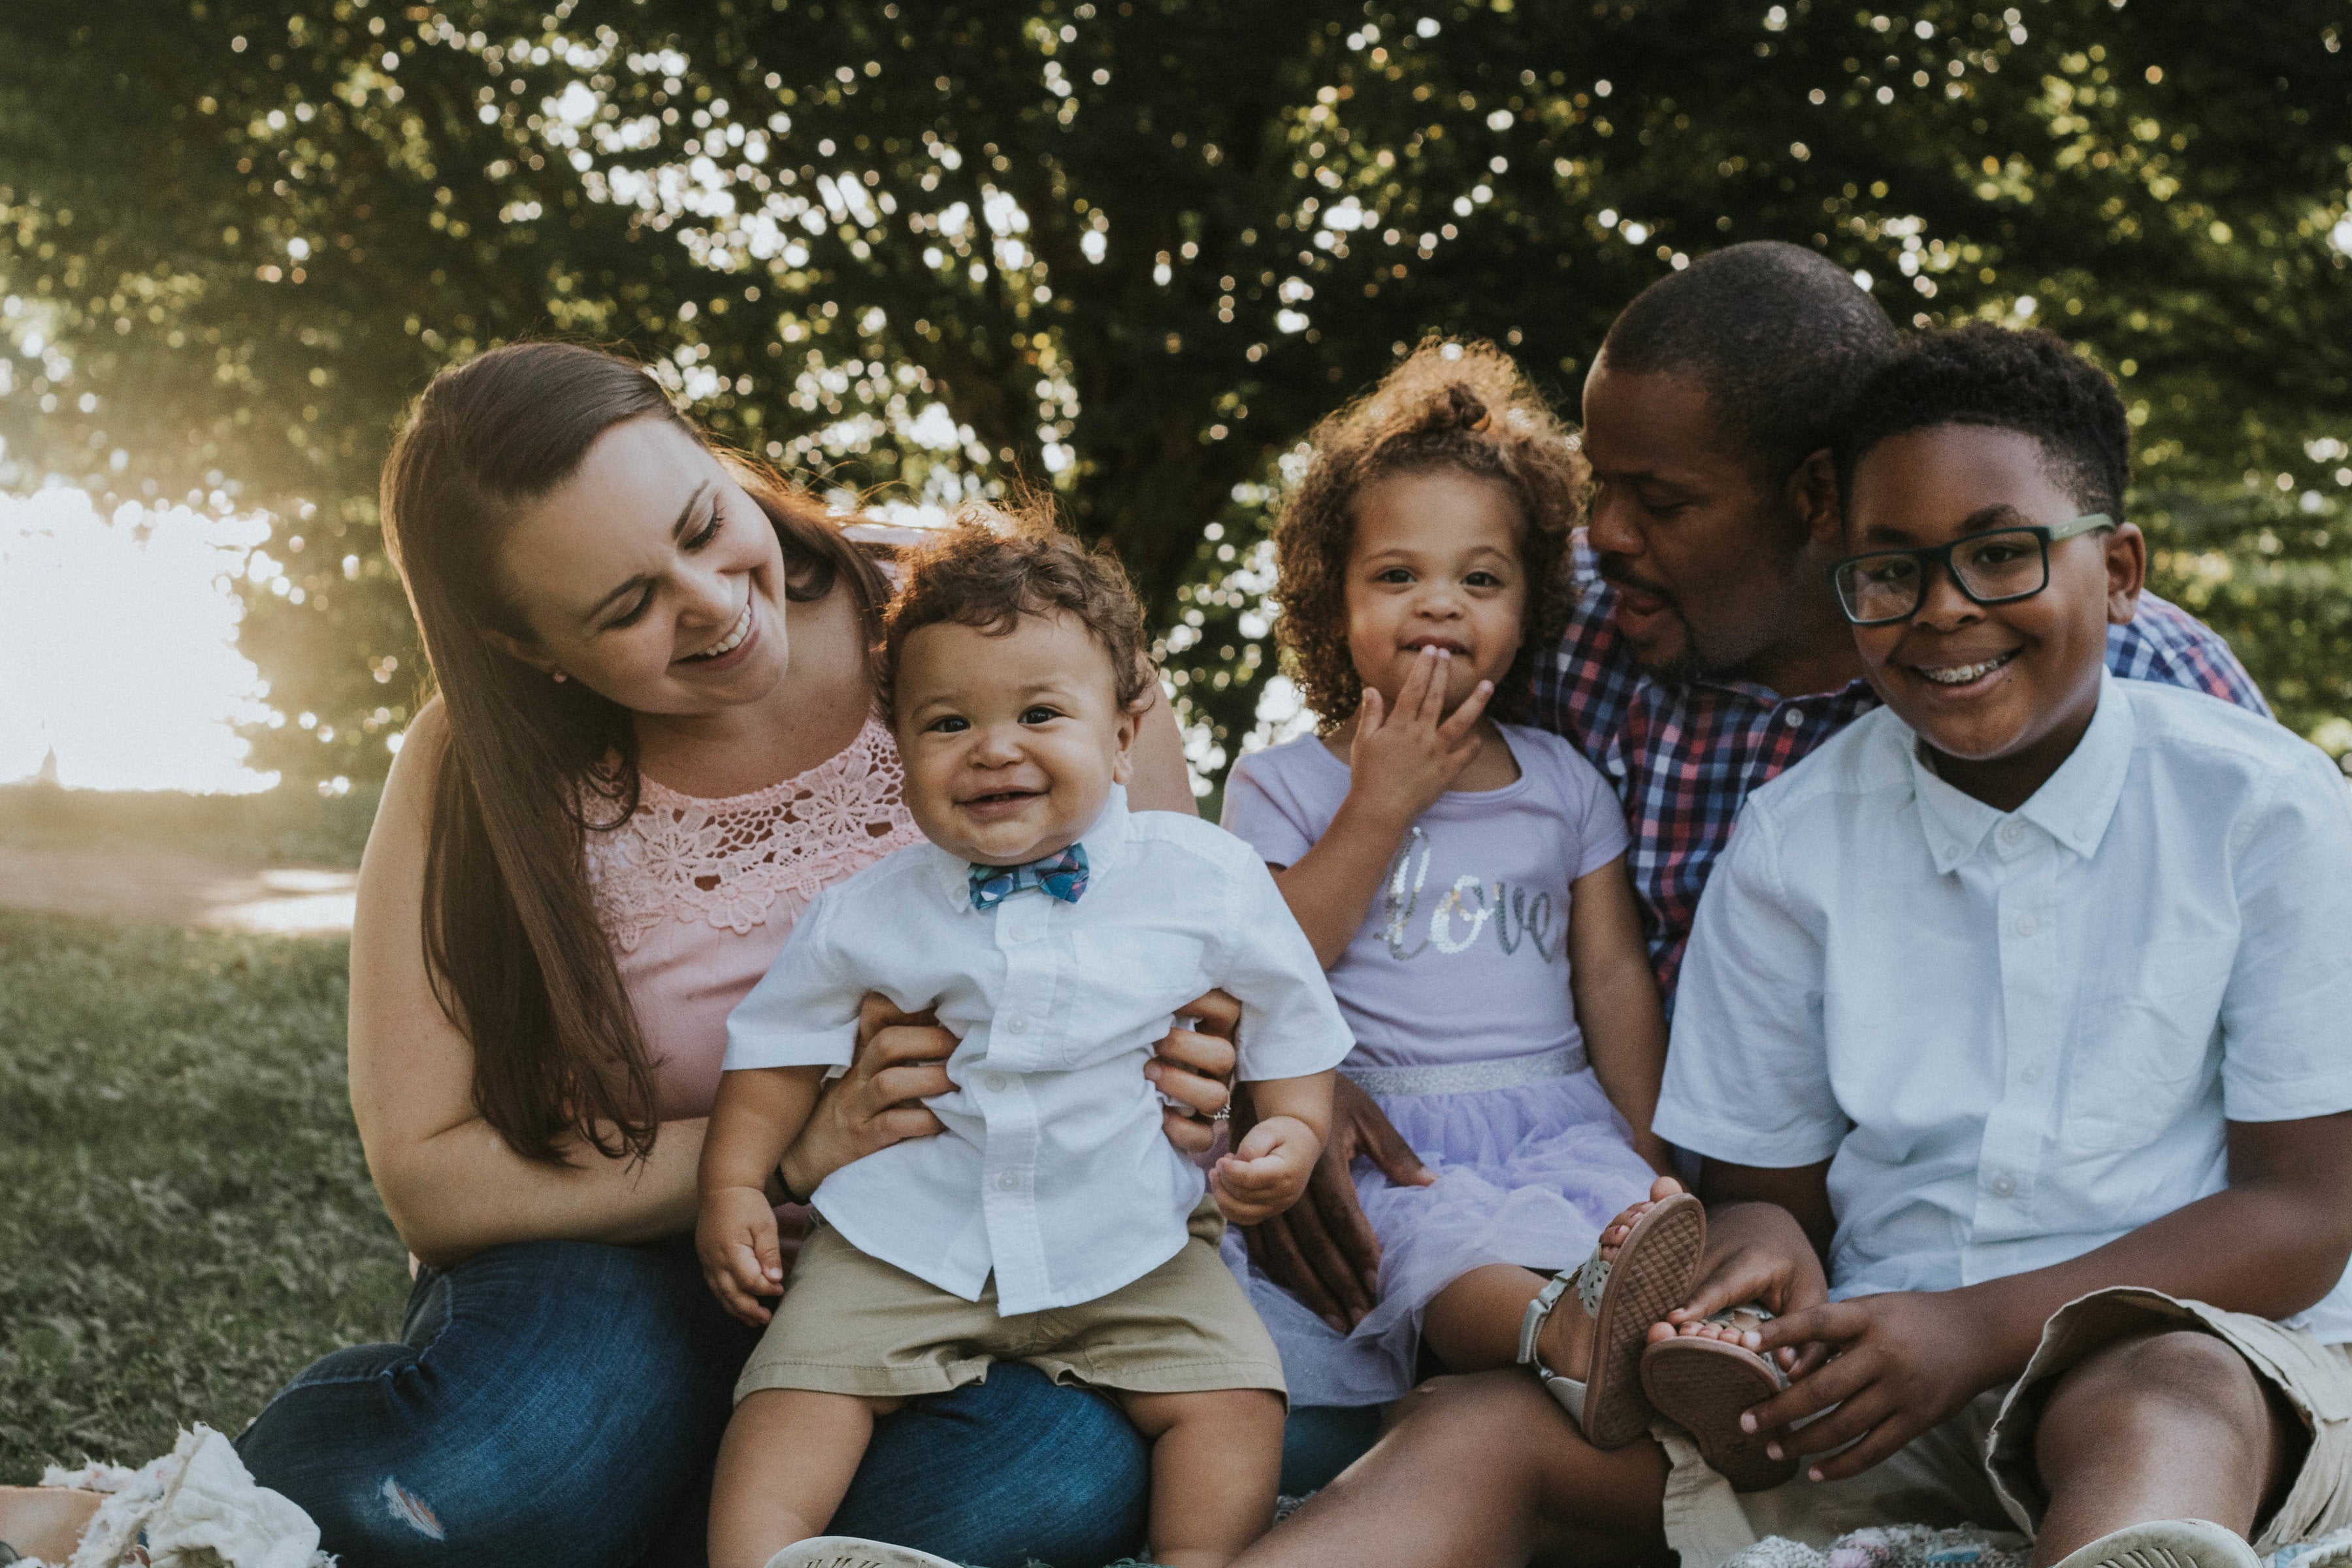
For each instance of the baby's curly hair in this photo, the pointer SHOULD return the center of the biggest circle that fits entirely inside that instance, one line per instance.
(1451, 405)
(991, 566)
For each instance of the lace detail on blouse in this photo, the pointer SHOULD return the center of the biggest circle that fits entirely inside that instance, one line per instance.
(728, 862)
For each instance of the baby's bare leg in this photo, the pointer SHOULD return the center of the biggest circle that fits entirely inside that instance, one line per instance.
(783, 1467)
(1216, 1458)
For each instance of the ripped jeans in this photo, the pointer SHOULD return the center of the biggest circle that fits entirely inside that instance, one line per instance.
(561, 1403)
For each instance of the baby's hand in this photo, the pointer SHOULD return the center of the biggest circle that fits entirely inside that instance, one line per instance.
(735, 1237)
(1268, 1171)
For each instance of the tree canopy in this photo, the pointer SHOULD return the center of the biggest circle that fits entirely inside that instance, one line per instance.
(1130, 249)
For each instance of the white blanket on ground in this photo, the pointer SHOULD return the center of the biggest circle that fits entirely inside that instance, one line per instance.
(1918, 1546)
(196, 1507)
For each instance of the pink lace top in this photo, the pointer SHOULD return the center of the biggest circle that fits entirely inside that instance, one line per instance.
(699, 895)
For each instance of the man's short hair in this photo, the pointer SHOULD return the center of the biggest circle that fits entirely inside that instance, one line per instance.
(2030, 382)
(988, 568)
(1780, 337)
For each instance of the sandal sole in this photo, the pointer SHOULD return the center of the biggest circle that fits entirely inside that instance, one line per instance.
(1654, 1273)
(1703, 1386)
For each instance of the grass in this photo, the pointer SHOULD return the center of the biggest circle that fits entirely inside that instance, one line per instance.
(281, 825)
(187, 1220)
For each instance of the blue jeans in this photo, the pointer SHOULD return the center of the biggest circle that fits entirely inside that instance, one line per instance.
(561, 1403)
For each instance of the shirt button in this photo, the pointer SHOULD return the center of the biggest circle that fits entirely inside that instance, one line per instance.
(995, 1082)
(2027, 925)
(1009, 1181)
(2011, 832)
(2003, 1185)
(2032, 1074)
(1019, 1025)
(1794, 719)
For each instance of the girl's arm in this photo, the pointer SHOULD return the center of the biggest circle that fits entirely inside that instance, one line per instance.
(759, 1111)
(448, 1181)
(1616, 998)
(1399, 764)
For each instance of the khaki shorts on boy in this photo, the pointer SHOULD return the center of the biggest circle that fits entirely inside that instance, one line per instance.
(1978, 1468)
(852, 1324)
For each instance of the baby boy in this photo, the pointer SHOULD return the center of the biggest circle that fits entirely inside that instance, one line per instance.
(1053, 933)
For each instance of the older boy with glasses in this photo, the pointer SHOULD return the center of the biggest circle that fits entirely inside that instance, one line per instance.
(2026, 1000)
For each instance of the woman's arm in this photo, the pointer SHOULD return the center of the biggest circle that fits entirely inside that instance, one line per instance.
(448, 1181)
(1161, 781)
(1616, 997)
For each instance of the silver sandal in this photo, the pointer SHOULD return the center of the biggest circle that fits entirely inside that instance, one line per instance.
(1653, 1272)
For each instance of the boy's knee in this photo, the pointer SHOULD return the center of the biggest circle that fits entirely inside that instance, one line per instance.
(2153, 1384)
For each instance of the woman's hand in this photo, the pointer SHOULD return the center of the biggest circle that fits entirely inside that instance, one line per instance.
(1324, 1250)
(1195, 1066)
(901, 1061)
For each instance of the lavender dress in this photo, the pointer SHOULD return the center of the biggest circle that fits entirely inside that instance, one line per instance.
(1456, 988)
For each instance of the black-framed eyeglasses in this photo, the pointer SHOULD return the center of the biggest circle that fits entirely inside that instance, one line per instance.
(1995, 567)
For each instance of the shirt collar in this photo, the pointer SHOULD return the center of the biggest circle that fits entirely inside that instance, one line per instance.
(1103, 842)
(2073, 805)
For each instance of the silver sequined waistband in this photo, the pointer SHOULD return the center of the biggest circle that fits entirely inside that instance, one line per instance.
(1463, 1078)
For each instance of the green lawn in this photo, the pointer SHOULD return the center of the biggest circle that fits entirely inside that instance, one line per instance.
(184, 1217)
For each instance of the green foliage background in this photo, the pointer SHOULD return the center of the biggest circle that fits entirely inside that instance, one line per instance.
(1133, 248)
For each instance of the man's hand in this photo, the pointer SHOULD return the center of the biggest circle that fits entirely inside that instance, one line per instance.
(1323, 1250)
(1267, 1172)
(735, 1238)
(1899, 1365)
(1194, 1067)
(1402, 761)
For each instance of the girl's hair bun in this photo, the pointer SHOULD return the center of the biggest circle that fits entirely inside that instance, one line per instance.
(1464, 409)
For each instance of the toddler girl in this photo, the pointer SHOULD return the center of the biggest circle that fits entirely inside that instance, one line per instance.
(1463, 880)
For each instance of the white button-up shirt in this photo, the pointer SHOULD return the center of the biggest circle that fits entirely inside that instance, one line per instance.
(2016, 1036)
(1053, 1171)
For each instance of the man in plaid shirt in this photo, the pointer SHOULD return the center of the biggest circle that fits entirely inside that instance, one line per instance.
(1707, 653)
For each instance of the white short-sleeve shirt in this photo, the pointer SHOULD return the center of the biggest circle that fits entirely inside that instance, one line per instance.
(2017, 1036)
(1053, 1173)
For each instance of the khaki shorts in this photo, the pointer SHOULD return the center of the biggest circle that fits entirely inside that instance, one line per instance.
(1978, 1468)
(852, 1324)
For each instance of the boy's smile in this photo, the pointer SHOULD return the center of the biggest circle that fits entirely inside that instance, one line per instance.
(1010, 742)
(2001, 692)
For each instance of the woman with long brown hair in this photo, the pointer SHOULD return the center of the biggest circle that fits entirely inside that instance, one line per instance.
(653, 741)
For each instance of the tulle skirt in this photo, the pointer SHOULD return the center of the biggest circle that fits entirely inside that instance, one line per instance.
(1525, 1174)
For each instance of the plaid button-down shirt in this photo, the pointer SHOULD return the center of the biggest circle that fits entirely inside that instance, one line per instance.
(1683, 757)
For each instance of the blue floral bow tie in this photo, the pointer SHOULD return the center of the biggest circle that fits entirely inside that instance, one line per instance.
(1063, 875)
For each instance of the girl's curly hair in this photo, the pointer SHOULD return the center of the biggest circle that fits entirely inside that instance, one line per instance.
(1465, 406)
